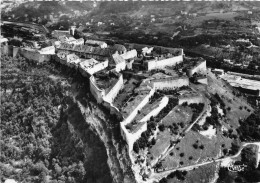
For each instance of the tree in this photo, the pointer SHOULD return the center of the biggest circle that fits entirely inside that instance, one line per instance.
(163, 180)
(57, 168)
(153, 141)
(161, 127)
(201, 146)
(136, 147)
(195, 146)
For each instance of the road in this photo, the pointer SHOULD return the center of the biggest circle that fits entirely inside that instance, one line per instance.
(157, 176)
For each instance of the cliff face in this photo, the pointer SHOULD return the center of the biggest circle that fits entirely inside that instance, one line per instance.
(107, 129)
(76, 140)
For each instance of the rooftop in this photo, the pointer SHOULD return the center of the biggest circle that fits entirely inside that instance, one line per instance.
(89, 63)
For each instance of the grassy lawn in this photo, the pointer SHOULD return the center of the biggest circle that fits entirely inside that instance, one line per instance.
(203, 174)
(162, 143)
(225, 92)
(177, 115)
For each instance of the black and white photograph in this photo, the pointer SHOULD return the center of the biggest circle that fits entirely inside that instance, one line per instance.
(130, 91)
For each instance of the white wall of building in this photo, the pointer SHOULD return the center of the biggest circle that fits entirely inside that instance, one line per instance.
(120, 66)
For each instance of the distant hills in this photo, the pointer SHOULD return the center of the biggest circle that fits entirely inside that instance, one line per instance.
(131, 8)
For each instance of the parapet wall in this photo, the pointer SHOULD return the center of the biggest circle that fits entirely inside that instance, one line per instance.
(200, 68)
(95, 91)
(114, 91)
(160, 64)
(125, 134)
(170, 83)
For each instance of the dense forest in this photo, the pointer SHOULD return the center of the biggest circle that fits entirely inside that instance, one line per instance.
(44, 137)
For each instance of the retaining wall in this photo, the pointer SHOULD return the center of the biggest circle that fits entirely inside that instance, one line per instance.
(170, 83)
(160, 64)
(125, 134)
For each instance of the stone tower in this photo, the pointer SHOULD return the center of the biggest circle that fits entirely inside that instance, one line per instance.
(72, 30)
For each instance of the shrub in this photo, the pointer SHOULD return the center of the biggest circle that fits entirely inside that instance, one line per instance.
(190, 158)
(201, 146)
(181, 154)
